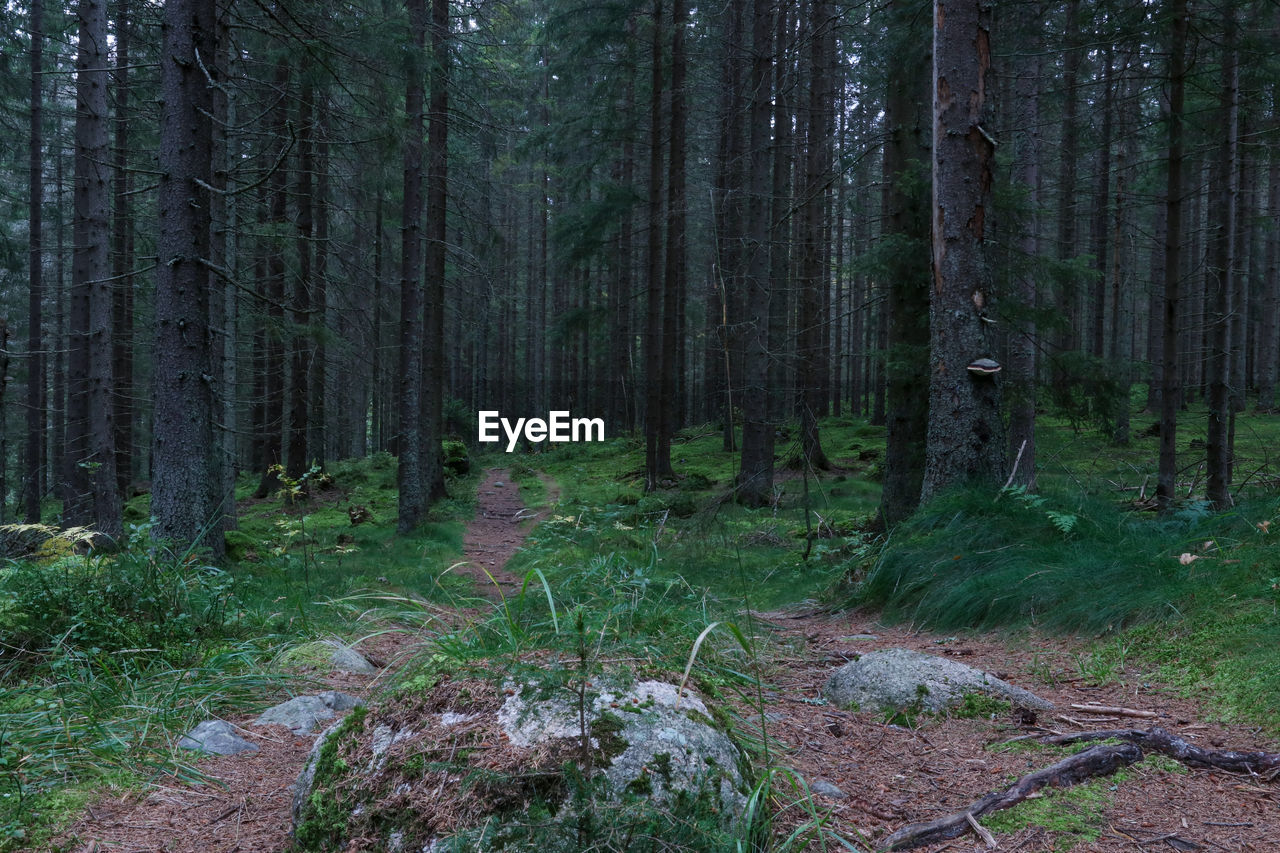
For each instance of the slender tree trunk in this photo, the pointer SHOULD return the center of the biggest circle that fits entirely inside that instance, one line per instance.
(33, 488)
(185, 495)
(654, 464)
(677, 216)
(122, 261)
(413, 494)
(755, 477)
(434, 367)
(318, 361)
(810, 364)
(1069, 294)
(906, 223)
(729, 221)
(965, 441)
(297, 460)
(1219, 277)
(1166, 477)
(1269, 327)
(1100, 222)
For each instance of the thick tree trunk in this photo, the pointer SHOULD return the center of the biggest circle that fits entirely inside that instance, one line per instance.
(966, 437)
(677, 216)
(1269, 327)
(91, 434)
(185, 497)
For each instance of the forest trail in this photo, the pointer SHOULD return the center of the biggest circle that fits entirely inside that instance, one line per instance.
(245, 808)
(885, 773)
(501, 524)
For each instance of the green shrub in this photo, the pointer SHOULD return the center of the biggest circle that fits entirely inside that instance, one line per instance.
(142, 597)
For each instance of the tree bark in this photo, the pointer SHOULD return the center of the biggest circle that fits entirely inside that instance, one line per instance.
(909, 124)
(965, 435)
(655, 465)
(33, 488)
(1169, 398)
(433, 374)
(413, 494)
(755, 476)
(185, 497)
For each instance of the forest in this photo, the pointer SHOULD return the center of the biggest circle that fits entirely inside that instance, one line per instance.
(947, 328)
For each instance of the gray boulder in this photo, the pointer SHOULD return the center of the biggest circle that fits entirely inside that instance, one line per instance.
(216, 737)
(328, 655)
(903, 680)
(481, 753)
(303, 714)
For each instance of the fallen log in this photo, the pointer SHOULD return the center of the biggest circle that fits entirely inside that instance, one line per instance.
(1179, 749)
(1115, 709)
(1101, 760)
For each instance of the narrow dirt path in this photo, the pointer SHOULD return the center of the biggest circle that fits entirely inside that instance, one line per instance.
(500, 527)
(247, 808)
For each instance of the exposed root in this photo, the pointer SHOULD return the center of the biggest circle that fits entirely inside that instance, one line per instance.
(1102, 760)
(1158, 740)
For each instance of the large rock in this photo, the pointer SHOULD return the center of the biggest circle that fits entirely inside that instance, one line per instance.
(904, 680)
(303, 714)
(216, 737)
(471, 765)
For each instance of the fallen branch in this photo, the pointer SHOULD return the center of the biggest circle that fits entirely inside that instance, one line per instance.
(1112, 709)
(1101, 760)
(1161, 741)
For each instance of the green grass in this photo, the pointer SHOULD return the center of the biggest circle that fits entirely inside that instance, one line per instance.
(1073, 815)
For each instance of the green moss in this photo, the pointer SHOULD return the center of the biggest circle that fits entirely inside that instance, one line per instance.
(322, 824)
(980, 706)
(607, 730)
(1074, 815)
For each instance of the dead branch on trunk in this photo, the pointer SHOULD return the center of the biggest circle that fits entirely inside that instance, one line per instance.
(1102, 760)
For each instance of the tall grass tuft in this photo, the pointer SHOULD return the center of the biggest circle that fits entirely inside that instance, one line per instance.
(976, 559)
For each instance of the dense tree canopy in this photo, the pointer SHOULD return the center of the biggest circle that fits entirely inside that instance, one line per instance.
(653, 212)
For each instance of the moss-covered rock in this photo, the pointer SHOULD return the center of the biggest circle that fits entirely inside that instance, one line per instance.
(467, 764)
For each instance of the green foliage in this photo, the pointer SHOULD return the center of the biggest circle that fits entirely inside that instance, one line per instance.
(141, 598)
(1086, 390)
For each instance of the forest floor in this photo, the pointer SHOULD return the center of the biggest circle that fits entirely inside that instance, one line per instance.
(891, 772)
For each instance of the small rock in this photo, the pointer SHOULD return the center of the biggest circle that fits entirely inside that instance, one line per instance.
(347, 659)
(216, 737)
(303, 714)
(826, 789)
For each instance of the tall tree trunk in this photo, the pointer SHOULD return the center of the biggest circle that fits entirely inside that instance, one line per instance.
(122, 260)
(906, 223)
(1219, 281)
(318, 361)
(272, 363)
(755, 476)
(185, 497)
(965, 441)
(730, 221)
(91, 446)
(810, 317)
(433, 373)
(413, 494)
(1069, 290)
(33, 488)
(1269, 327)
(1167, 473)
(296, 459)
(677, 216)
(1100, 222)
(654, 464)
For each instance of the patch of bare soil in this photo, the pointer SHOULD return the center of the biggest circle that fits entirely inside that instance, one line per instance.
(894, 775)
(500, 527)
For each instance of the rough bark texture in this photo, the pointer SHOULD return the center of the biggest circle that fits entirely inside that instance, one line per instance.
(184, 497)
(1156, 739)
(677, 216)
(654, 464)
(91, 439)
(413, 496)
(122, 261)
(965, 436)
